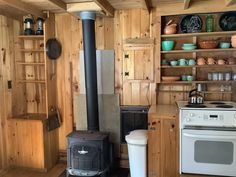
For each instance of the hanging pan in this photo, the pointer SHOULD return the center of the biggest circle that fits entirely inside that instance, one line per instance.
(53, 48)
(53, 51)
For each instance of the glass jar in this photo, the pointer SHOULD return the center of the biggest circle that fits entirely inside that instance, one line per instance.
(228, 76)
(209, 23)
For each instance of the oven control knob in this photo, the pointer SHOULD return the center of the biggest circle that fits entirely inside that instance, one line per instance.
(188, 120)
(191, 115)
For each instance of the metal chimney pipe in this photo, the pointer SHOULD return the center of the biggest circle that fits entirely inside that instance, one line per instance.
(90, 65)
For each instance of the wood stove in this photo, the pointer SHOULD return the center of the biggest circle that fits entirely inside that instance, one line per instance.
(89, 152)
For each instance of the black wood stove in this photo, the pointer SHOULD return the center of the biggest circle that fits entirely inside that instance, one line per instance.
(89, 152)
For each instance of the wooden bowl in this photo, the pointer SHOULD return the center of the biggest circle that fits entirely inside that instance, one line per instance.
(170, 78)
(209, 44)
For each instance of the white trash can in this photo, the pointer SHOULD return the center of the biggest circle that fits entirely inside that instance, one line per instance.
(137, 150)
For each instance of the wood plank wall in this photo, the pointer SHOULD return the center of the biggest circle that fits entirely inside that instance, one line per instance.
(110, 34)
(9, 29)
(69, 33)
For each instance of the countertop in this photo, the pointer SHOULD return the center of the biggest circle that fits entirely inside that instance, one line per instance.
(163, 111)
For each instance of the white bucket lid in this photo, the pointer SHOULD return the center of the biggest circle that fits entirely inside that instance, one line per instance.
(137, 137)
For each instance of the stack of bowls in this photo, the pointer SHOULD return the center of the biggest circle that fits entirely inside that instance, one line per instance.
(189, 46)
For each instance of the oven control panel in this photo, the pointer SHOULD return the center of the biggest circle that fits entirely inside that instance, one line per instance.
(208, 118)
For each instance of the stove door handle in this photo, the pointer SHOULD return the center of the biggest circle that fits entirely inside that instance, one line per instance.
(228, 137)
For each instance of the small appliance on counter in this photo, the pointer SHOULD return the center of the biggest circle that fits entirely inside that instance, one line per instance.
(195, 97)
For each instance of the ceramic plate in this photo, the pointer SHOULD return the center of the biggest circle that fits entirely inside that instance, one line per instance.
(227, 21)
(170, 78)
(191, 24)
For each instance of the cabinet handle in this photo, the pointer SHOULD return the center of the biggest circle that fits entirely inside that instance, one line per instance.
(3, 52)
(173, 125)
(153, 128)
(126, 73)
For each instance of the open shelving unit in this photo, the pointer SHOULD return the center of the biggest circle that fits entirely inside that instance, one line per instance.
(199, 72)
(33, 86)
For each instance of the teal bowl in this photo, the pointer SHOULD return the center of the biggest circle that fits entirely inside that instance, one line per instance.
(224, 45)
(167, 45)
(188, 45)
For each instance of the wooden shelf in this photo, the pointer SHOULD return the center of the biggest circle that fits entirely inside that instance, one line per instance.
(31, 116)
(31, 37)
(32, 81)
(199, 50)
(194, 82)
(32, 50)
(217, 92)
(198, 66)
(204, 92)
(27, 63)
(219, 33)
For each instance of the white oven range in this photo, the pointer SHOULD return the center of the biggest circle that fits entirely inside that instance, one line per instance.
(208, 138)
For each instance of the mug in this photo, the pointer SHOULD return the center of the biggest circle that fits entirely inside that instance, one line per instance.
(201, 61)
(182, 62)
(211, 61)
(231, 61)
(191, 62)
(221, 62)
(184, 77)
(173, 63)
(190, 78)
(164, 62)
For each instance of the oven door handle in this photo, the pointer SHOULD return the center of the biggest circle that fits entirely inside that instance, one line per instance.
(228, 137)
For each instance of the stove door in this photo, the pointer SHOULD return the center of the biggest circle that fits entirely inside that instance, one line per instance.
(208, 152)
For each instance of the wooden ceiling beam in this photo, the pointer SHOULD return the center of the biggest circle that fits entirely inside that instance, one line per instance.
(106, 7)
(22, 6)
(59, 3)
(230, 2)
(148, 5)
(186, 4)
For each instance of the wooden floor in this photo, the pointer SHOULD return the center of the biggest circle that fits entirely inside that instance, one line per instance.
(17, 172)
(54, 172)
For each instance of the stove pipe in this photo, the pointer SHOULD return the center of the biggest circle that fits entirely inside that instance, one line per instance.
(88, 23)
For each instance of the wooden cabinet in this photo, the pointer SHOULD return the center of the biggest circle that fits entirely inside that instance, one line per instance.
(31, 145)
(138, 72)
(29, 142)
(138, 62)
(162, 145)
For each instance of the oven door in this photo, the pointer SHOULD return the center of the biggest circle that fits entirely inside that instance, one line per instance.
(208, 152)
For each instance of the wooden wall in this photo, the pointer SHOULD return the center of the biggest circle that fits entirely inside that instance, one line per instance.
(110, 34)
(9, 29)
(69, 33)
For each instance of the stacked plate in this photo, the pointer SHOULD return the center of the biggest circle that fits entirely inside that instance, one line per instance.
(189, 46)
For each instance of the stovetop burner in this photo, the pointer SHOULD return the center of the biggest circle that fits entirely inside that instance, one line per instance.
(195, 105)
(224, 106)
(217, 102)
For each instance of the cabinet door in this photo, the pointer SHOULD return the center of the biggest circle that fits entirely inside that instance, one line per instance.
(168, 149)
(138, 63)
(154, 148)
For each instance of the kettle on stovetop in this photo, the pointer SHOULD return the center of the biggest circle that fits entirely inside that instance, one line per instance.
(195, 97)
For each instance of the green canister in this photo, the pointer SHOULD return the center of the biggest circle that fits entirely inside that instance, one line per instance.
(209, 23)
